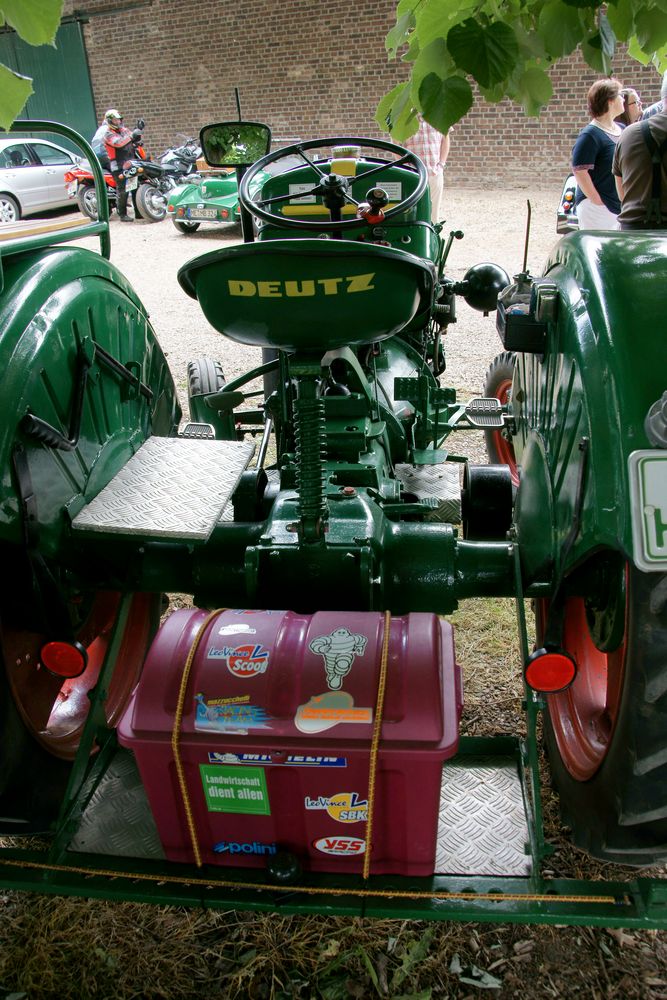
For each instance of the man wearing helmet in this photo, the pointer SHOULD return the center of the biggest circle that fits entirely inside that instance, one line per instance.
(119, 148)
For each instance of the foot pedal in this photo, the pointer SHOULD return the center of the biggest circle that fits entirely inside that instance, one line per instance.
(199, 431)
(485, 411)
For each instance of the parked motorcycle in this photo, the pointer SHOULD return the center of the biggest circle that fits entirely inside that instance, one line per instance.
(152, 180)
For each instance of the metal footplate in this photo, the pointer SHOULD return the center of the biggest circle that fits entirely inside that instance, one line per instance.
(118, 819)
(171, 488)
(485, 411)
(483, 828)
(197, 430)
(434, 481)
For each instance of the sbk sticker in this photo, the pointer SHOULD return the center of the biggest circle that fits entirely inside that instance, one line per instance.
(340, 847)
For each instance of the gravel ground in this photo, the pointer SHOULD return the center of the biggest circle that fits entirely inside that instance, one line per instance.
(494, 223)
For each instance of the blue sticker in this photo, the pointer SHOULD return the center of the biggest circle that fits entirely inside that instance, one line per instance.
(225, 716)
(297, 760)
(233, 847)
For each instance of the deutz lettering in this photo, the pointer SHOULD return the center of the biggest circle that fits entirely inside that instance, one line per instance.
(302, 289)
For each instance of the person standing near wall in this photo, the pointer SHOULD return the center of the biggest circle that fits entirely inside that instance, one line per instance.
(432, 147)
(659, 106)
(640, 171)
(597, 201)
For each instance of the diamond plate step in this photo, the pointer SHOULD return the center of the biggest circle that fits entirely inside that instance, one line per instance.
(118, 819)
(439, 481)
(483, 828)
(171, 488)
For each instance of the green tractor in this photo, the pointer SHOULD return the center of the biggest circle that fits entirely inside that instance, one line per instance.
(291, 740)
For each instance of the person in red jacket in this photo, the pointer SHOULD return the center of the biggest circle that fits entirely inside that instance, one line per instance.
(120, 148)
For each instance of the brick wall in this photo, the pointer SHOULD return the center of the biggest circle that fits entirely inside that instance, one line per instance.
(310, 68)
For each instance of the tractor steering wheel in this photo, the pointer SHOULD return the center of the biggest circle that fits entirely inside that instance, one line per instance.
(333, 189)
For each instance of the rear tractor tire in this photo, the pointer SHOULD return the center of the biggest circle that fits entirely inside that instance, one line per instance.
(42, 716)
(606, 735)
(498, 383)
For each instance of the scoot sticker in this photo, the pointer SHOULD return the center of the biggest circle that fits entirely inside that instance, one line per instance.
(235, 790)
(338, 649)
(242, 661)
(342, 847)
(344, 807)
(323, 711)
(229, 715)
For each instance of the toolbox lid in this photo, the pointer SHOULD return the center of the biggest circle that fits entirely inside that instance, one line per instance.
(282, 676)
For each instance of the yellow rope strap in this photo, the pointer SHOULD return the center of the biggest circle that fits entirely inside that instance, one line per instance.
(176, 735)
(311, 890)
(375, 744)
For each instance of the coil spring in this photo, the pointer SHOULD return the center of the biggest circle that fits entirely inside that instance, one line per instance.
(310, 433)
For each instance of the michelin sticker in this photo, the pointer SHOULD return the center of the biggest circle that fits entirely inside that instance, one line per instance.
(242, 661)
(296, 760)
(323, 711)
(344, 807)
(231, 790)
(229, 715)
(338, 650)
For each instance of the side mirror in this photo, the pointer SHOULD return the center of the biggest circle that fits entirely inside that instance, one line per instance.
(141, 124)
(234, 144)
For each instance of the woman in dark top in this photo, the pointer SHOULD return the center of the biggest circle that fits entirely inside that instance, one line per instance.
(597, 200)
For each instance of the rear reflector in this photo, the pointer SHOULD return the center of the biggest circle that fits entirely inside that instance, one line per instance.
(65, 659)
(550, 670)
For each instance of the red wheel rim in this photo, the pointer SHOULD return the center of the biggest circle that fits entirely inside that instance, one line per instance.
(584, 716)
(504, 448)
(54, 710)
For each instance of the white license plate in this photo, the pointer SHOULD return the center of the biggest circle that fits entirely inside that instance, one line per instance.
(71, 189)
(648, 485)
(203, 213)
(131, 184)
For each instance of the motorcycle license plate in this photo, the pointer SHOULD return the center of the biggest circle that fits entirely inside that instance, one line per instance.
(71, 189)
(203, 213)
(648, 486)
(131, 184)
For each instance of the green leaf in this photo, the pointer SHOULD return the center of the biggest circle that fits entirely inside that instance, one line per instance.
(650, 28)
(584, 3)
(399, 33)
(535, 90)
(413, 49)
(621, 18)
(607, 36)
(594, 54)
(635, 51)
(436, 17)
(489, 54)
(444, 102)
(405, 5)
(560, 28)
(414, 955)
(435, 58)
(36, 21)
(15, 90)
(396, 114)
(371, 971)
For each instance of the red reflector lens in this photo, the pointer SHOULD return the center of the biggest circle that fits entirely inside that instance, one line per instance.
(550, 671)
(65, 659)
(224, 214)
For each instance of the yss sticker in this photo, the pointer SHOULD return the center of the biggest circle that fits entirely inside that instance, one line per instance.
(341, 847)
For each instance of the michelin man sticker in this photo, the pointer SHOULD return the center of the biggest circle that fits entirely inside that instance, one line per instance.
(338, 650)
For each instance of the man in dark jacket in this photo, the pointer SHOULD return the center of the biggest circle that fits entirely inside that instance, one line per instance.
(640, 172)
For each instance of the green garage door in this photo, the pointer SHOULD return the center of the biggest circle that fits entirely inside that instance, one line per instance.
(61, 80)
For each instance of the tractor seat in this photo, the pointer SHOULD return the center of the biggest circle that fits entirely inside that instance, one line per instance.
(309, 294)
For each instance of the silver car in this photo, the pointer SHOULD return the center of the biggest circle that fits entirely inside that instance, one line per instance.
(32, 175)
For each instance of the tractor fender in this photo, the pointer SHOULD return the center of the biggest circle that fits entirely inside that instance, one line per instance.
(56, 306)
(586, 398)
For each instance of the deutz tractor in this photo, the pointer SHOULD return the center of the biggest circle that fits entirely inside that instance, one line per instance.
(291, 739)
